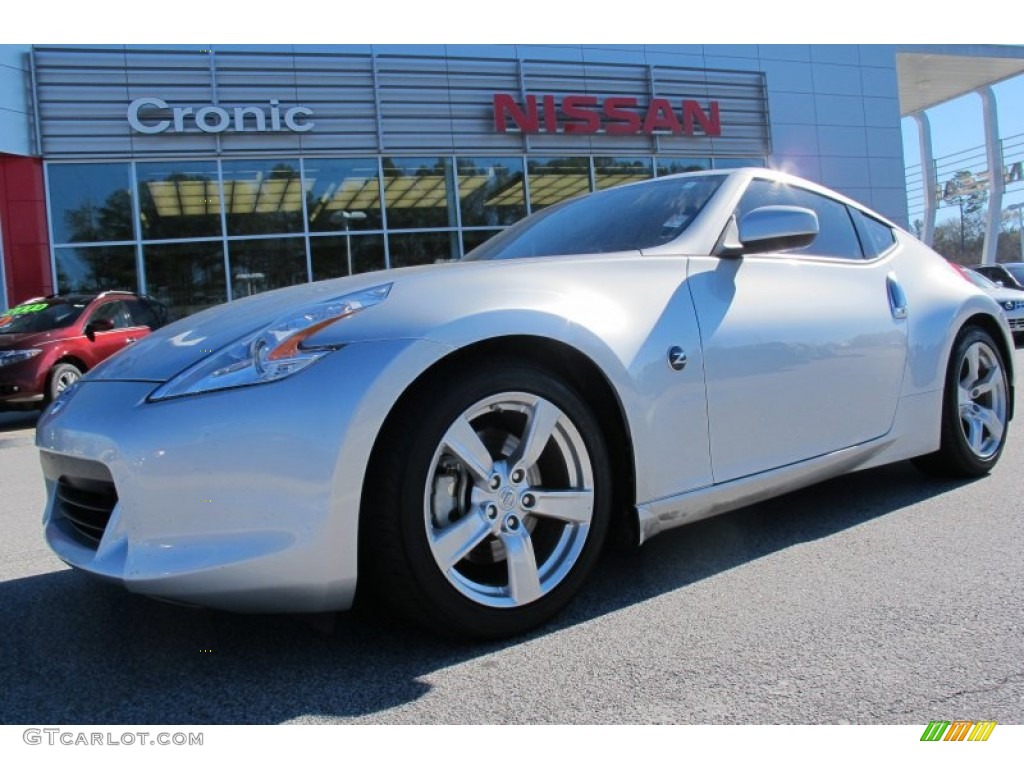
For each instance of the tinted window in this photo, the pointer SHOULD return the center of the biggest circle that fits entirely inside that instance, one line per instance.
(620, 219)
(836, 236)
(1016, 271)
(875, 237)
(46, 315)
(146, 313)
(116, 311)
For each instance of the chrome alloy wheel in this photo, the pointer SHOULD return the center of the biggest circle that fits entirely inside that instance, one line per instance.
(66, 378)
(982, 400)
(509, 500)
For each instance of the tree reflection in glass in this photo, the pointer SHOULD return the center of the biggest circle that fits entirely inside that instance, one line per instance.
(263, 197)
(187, 277)
(491, 190)
(262, 265)
(343, 195)
(417, 192)
(555, 179)
(90, 202)
(179, 200)
(97, 268)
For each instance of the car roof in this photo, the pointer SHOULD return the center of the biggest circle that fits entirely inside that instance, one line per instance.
(754, 172)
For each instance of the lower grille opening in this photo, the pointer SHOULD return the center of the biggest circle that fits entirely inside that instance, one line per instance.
(86, 505)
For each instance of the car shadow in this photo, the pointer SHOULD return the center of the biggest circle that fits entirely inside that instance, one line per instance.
(78, 651)
(11, 421)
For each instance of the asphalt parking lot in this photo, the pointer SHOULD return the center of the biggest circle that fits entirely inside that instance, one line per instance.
(882, 597)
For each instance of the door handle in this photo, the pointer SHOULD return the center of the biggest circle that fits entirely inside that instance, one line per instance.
(130, 340)
(897, 298)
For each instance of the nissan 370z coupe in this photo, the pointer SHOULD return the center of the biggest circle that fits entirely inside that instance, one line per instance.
(460, 440)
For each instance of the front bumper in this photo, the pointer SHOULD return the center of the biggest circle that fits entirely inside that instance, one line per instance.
(243, 499)
(20, 386)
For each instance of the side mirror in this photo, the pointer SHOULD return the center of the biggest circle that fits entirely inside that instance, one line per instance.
(97, 326)
(777, 228)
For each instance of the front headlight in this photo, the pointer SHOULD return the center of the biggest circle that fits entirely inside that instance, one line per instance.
(273, 352)
(12, 356)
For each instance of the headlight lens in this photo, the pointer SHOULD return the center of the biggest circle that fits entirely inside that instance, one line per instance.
(12, 356)
(273, 352)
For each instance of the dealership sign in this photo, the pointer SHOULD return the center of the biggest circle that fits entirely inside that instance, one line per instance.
(214, 119)
(615, 115)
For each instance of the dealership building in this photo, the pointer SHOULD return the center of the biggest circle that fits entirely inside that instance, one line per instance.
(199, 176)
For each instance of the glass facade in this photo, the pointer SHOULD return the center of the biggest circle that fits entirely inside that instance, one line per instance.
(196, 232)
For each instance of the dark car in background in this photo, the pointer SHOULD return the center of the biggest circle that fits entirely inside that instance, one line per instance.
(1008, 275)
(46, 344)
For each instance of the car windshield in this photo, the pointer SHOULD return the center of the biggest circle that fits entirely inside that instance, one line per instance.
(979, 280)
(623, 219)
(1017, 270)
(43, 315)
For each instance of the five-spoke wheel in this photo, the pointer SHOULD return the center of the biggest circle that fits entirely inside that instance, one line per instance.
(975, 408)
(487, 512)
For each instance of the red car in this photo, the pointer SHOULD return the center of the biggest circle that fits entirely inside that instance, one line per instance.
(46, 344)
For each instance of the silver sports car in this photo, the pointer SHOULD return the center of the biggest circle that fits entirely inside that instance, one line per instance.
(461, 440)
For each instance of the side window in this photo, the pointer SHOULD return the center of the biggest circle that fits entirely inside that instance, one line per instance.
(875, 236)
(142, 314)
(112, 310)
(836, 235)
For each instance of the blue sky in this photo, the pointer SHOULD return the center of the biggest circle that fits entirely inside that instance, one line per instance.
(959, 125)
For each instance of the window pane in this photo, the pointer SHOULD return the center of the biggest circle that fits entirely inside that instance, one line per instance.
(613, 171)
(263, 197)
(417, 192)
(178, 200)
(491, 190)
(114, 311)
(332, 256)
(262, 265)
(423, 248)
(669, 165)
(557, 179)
(90, 202)
(836, 236)
(342, 192)
(875, 237)
(97, 268)
(473, 238)
(739, 162)
(187, 277)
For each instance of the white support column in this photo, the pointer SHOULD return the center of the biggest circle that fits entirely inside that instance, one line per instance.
(994, 154)
(924, 140)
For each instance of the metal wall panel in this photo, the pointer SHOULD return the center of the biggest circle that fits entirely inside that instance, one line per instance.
(388, 103)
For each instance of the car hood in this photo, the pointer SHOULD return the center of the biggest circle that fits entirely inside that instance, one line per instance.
(422, 298)
(1005, 294)
(25, 340)
(166, 352)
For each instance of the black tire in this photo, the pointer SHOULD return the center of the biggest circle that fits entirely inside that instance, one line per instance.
(420, 489)
(62, 376)
(975, 409)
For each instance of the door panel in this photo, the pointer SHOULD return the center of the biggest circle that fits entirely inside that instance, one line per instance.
(802, 357)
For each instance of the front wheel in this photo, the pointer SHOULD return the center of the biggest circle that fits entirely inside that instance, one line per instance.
(62, 376)
(975, 409)
(489, 504)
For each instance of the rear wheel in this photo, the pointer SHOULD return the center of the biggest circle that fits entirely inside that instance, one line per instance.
(489, 507)
(975, 409)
